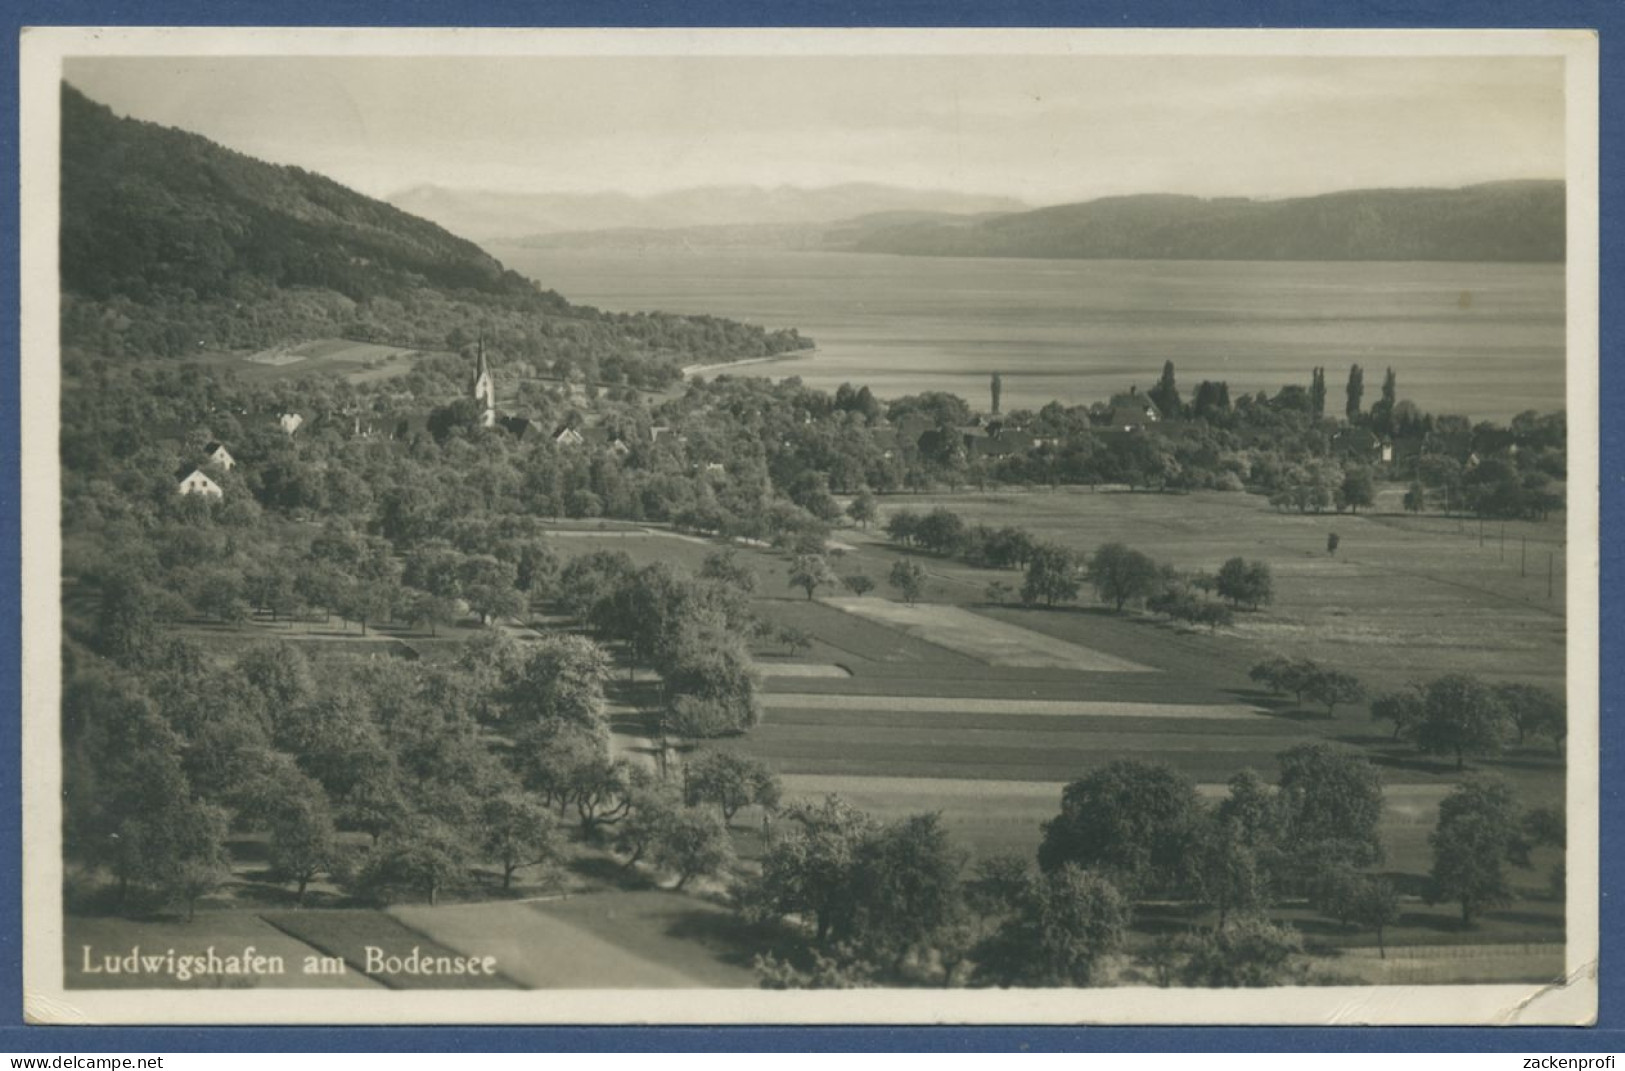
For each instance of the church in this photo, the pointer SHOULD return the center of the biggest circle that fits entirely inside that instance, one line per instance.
(485, 389)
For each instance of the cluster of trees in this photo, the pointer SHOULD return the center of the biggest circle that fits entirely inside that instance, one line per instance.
(1304, 678)
(693, 631)
(1459, 715)
(872, 902)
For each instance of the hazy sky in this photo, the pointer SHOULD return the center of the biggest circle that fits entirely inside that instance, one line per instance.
(1044, 128)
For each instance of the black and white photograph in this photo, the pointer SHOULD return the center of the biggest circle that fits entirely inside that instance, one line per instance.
(809, 526)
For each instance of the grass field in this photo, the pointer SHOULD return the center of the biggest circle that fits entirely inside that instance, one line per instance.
(1404, 595)
(607, 940)
(987, 640)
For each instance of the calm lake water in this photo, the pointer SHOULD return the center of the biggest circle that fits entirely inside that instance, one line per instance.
(1481, 339)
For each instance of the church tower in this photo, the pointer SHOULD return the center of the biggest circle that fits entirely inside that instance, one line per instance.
(485, 390)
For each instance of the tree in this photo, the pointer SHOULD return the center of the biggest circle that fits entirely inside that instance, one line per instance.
(489, 587)
(796, 639)
(1317, 393)
(1370, 902)
(997, 389)
(909, 580)
(693, 843)
(1250, 952)
(1052, 576)
(864, 509)
(1357, 489)
(177, 850)
(906, 882)
(1461, 715)
(1331, 543)
(1416, 498)
(651, 808)
(517, 831)
(561, 681)
(1227, 869)
(425, 856)
(903, 526)
(1403, 708)
(810, 871)
(303, 844)
(724, 567)
(1137, 819)
(941, 532)
(1165, 395)
(1294, 675)
(1244, 582)
(1533, 710)
(1331, 806)
(810, 572)
(1065, 924)
(1477, 834)
(1356, 391)
(1119, 574)
(1332, 687)
(858, 584)
(732, 782)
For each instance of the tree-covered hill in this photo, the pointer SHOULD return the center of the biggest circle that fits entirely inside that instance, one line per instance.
(1502, 221)
(147, 209)
(172, 244)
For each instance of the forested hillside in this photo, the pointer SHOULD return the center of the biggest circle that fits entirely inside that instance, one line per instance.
(1503, 221)
(171, 244)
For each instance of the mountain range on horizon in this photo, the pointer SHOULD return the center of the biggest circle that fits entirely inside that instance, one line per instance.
(1512, 221)
(497, 215)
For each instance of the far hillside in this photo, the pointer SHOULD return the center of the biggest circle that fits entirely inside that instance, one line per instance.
(1502, 221)
(173, 245)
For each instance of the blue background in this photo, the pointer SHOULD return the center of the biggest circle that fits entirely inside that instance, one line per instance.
(1606, 16)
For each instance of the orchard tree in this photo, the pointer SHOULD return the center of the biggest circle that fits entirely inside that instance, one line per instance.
(1246, 582)
(909, 580)
(1067, 922)
(864, 509)
(1052, 576)
(1138, 820)
(518, 832)
(693, 843)
(1534, 711)
(1461, 715)
(1478, 833)
(303, 843)
(858, 584)
(1331, 805)
(732, 782)
(724, 567)
(1250, 952)
(1403, 708)
(1357, 489)
(1331, 686)
(810, 572)
(1119, 574)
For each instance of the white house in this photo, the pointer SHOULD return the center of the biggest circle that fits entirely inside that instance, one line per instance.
(196, 483)
(218, 455)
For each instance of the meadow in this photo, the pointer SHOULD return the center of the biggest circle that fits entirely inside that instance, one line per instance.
(983, 711)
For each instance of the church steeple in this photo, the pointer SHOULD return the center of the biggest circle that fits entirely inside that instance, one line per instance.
(484, 389)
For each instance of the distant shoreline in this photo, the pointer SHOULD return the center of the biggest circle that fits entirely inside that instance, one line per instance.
(690, 371)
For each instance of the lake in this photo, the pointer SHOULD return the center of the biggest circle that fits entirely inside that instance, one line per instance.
(1485, 340)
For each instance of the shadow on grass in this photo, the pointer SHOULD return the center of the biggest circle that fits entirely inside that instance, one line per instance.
(605, 872)
(732, 939)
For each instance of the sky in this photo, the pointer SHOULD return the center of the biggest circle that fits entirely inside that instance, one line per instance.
(1046, 129)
